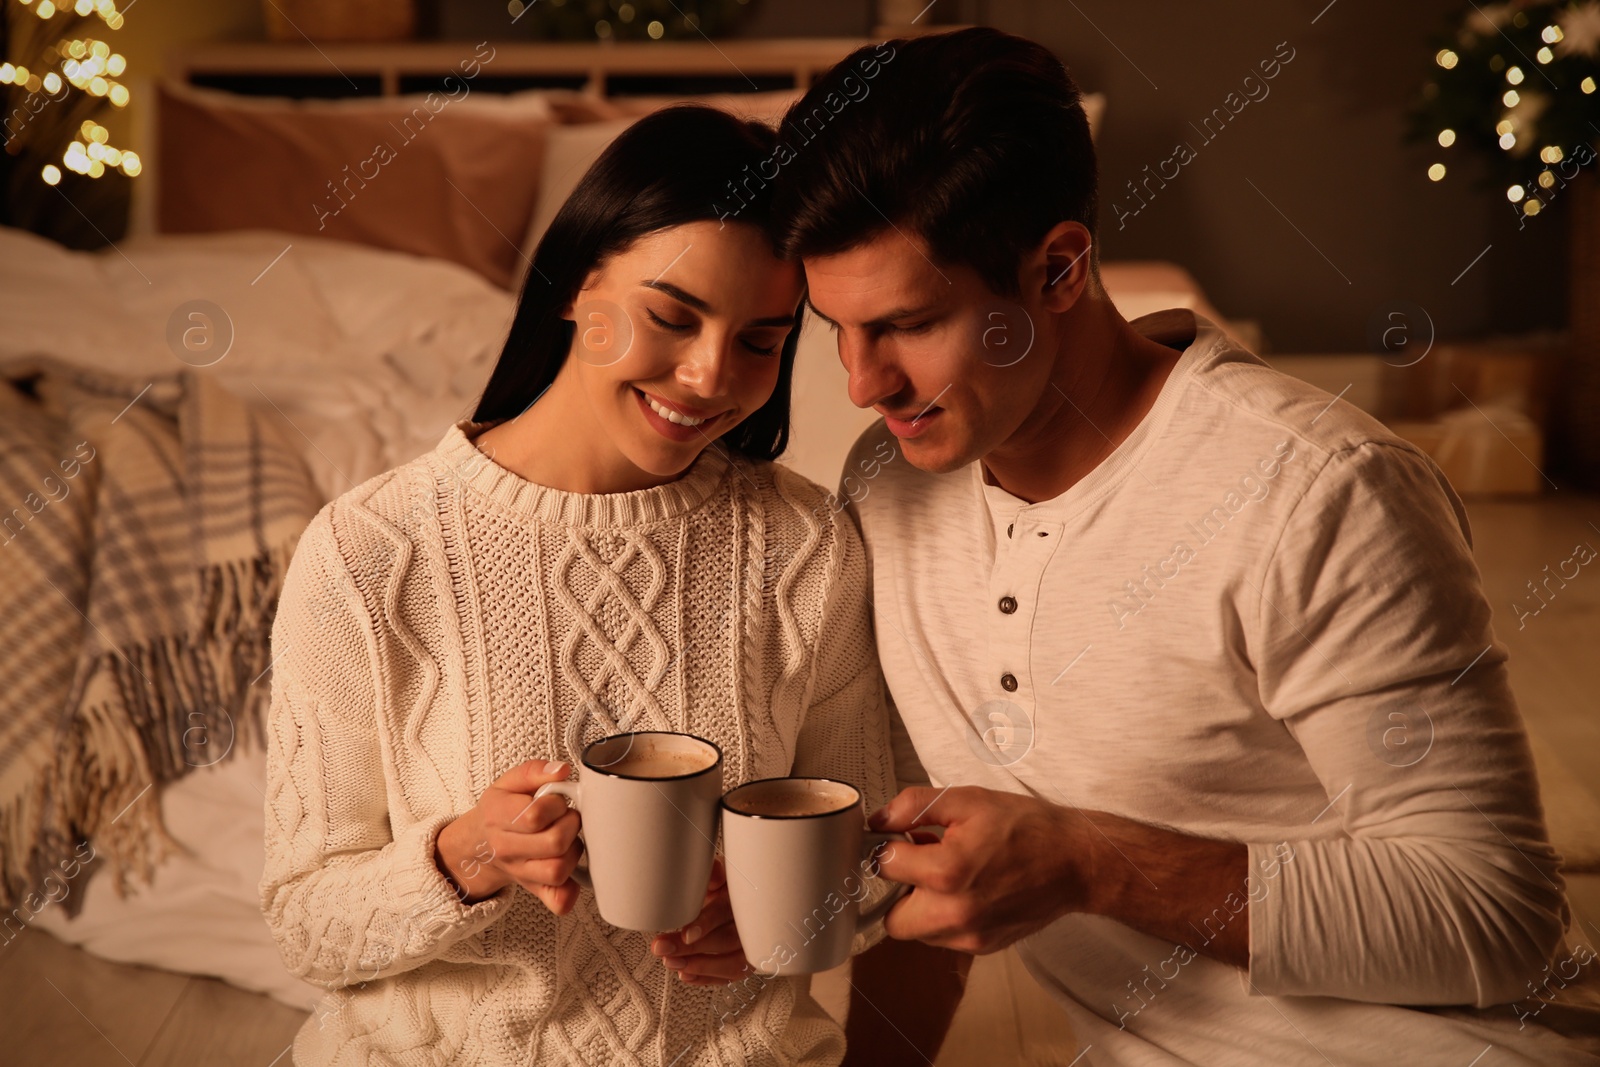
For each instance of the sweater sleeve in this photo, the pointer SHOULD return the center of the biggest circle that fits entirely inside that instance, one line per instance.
(1374, 648)
(846, 730)
(349, 894)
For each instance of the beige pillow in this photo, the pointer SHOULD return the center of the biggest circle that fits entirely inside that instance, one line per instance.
(425, 174)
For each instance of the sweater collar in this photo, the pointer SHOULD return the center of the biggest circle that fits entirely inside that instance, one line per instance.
(509, 491)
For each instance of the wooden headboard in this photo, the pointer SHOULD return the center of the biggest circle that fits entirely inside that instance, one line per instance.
(603, 69)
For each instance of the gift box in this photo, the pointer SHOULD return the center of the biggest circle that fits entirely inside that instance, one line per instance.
(1483, 450)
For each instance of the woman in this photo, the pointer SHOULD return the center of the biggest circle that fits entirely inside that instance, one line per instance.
(607, 546)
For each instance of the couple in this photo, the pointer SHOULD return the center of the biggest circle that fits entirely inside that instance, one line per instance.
(1132, 618)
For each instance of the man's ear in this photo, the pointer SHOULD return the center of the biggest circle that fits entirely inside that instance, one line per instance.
(1061, 264)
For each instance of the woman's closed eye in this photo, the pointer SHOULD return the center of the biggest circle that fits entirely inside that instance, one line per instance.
(764, 344)
(675, 327)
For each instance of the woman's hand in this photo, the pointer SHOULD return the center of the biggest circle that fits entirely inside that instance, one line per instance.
(508, 837)
(707, 951)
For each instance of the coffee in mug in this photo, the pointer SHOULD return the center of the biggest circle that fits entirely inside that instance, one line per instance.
(798, 853)
(648, 801)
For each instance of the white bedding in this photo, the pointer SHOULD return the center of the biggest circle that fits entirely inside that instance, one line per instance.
(370, 355)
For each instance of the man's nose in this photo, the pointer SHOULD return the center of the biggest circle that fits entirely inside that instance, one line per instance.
(874, 375)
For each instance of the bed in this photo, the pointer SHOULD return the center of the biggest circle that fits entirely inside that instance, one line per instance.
(366, 338)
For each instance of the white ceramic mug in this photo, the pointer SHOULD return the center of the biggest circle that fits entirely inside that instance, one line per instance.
(796, 879)
(648, 801)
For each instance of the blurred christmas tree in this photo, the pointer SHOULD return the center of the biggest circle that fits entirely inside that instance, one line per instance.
(60, 174)
(1516, 84)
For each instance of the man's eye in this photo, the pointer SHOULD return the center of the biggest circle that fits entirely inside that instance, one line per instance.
(915, 327)
(677, 327)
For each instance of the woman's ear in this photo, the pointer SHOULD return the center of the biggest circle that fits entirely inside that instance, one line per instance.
(1063, 264)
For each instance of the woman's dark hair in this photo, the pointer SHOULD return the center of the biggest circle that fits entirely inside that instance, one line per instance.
(975, 140)
(672, 167)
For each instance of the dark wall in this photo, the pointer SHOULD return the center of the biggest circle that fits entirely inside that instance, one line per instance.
(1305, 212)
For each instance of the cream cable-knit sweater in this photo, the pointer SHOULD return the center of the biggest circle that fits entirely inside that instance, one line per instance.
(447, 620)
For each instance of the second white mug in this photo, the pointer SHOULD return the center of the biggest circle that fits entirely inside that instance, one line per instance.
(797, 855)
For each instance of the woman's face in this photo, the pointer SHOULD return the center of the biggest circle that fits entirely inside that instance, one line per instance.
(679, 339)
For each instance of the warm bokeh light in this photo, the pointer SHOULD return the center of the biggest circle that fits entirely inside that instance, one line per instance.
(1436, 172)
(1447, 138)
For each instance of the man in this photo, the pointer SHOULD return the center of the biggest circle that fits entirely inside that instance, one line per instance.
(1193, 657)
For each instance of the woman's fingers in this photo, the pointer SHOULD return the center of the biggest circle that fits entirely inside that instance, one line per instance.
(710, 931)
(709, 970)
(511, 846)
(521, 813)
(560, 899)
(545, 869)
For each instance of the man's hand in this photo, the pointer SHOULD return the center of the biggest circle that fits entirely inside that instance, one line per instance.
(1010, 864)
(1006, 866)
(707, 951)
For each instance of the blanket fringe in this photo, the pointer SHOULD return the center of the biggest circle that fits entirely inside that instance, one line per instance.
(173, 705)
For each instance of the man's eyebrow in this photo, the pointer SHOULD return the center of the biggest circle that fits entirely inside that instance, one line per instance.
(679, 295)
(819, 314)
(881, 320)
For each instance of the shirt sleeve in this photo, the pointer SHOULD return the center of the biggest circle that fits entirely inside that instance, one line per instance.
(1436, 883)
(347, 899)
(846, 730)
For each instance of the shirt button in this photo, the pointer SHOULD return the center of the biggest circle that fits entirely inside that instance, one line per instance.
(1008, 682)
(1008, 604)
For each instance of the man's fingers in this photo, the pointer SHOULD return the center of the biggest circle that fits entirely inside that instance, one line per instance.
(935, 866)
(921, 805)
(528, 776)
(922, 916)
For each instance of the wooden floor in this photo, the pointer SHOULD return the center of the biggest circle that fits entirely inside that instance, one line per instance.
(64, 1008)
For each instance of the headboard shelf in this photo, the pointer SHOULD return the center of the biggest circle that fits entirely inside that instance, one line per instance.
(622, 68)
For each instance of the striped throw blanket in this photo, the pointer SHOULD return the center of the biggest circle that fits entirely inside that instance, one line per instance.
(145, 528)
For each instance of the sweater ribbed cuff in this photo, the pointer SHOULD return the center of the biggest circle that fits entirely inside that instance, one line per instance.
(436, 915)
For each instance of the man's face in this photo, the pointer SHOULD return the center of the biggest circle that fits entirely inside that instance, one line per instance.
(952, 367)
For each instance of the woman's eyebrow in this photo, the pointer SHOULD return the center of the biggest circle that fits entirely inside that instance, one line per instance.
(698, 304)
(679, 295)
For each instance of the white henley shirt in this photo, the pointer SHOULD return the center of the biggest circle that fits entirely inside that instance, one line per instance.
(1258, 620)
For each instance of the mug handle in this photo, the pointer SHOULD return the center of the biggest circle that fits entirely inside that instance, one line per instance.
(571, 791)
(869, 844)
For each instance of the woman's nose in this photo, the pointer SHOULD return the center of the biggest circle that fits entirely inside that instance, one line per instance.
(706, 371)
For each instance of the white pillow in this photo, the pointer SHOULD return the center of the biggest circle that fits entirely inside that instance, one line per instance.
(1094, 106)
(569, 151)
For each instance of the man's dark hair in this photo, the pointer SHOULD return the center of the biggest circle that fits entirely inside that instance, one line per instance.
(975, 140)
